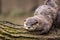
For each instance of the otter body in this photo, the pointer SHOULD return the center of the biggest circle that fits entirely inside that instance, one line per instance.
(43, 18)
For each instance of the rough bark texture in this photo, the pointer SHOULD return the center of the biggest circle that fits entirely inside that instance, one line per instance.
(8, 31)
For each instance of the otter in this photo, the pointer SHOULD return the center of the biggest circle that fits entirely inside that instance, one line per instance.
(43, 17)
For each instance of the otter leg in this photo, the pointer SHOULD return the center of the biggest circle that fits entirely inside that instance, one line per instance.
(45, 29)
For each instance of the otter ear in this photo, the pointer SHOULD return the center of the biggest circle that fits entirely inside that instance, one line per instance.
(50, 2)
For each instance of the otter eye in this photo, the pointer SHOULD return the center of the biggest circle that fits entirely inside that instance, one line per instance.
(35, 23)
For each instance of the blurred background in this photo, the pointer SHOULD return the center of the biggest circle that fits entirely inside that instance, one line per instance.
(17, 10)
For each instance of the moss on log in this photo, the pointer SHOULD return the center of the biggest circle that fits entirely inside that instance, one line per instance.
(11, 32)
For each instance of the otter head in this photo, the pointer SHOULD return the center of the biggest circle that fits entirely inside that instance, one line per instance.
(30, 23)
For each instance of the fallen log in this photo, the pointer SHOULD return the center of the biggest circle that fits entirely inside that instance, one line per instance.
(12, 33)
